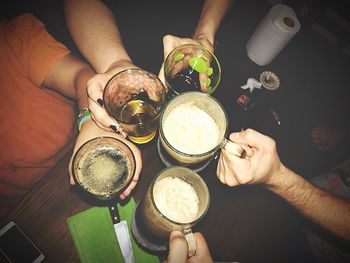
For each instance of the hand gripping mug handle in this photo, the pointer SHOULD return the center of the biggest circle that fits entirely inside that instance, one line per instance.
(234, 148)
(191, 242)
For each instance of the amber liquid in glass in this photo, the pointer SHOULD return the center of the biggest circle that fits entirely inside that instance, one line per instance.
(140, 113)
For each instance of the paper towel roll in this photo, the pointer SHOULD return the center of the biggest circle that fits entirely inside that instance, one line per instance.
(273, 33)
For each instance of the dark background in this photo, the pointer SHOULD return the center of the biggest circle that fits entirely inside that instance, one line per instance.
(314, 91)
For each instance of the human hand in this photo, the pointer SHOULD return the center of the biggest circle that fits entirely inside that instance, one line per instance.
(178, 249)
(258, 167)
(89, 131)
(170, 42)
(95, 88)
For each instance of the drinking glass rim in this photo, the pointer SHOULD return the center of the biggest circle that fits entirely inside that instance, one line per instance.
(140, 70)
(205, 50)
(198, 176)
(189, 154)
(108, 196)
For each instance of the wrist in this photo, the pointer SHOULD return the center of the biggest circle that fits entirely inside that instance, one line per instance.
(276, 177)
(206, 40)
(120, 65)
(281, 180)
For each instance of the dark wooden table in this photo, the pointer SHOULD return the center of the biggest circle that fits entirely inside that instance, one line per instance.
(239, 221)
(246, 223)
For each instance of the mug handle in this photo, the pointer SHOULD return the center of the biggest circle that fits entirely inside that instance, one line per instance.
(234, 148)
(191, 242)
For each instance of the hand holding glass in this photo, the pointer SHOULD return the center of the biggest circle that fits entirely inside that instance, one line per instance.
(176, 200)
(191, 67)
(103, 167)
(135, 98)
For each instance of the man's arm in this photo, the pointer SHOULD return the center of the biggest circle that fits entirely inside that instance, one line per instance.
(263, 166)
(213, 12)
(87, 19)
(325, 209)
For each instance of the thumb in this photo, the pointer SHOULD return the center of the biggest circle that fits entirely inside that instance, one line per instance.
(95, 89)
(177, 248)
(161, 75)
(248, 137)
(71, 178)
(168, 45)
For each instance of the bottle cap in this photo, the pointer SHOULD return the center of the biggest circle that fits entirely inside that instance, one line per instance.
(269, 80)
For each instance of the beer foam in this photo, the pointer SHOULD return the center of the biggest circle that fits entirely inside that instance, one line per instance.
(191, 130)
(176, 199)
(103, 170)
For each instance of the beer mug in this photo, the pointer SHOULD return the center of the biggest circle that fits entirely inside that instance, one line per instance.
(103, 167)
(192, 129)
(176, 200)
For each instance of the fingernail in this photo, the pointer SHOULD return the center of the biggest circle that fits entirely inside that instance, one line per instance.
(100, 101)
(114, 128)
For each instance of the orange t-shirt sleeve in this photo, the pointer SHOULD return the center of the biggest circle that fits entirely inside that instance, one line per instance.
(37, 50)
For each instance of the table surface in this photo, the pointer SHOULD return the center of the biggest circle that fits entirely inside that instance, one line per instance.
(245, 223)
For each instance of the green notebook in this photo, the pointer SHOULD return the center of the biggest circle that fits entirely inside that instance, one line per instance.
(94, 236)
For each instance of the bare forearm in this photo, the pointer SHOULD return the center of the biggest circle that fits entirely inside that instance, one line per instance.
(80, 86)
(213, 12)
(94, 30)
(323, 208)
(69, 77)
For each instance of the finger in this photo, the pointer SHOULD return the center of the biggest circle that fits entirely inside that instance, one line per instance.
(204, 81)
(249, 151)
(101, 115)
(70, 166)
(177, 248)
(230, 176)
(131, 186)
(71, 180)
(220, 170)
(128, 190)
(202, 246)
(161, 75)
(95, 89)
(138, 169)
(168, 44)
(249, 137)
(115, 127)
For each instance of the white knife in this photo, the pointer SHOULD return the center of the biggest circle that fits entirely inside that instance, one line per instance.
(123, 236)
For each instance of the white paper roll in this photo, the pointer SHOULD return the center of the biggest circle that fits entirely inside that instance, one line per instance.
(273, 33)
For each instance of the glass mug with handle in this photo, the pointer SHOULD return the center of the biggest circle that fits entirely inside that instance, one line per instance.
(135, 99)
(177, 199)
(193, 128)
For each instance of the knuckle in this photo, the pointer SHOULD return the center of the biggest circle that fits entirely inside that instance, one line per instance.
(166, 38)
